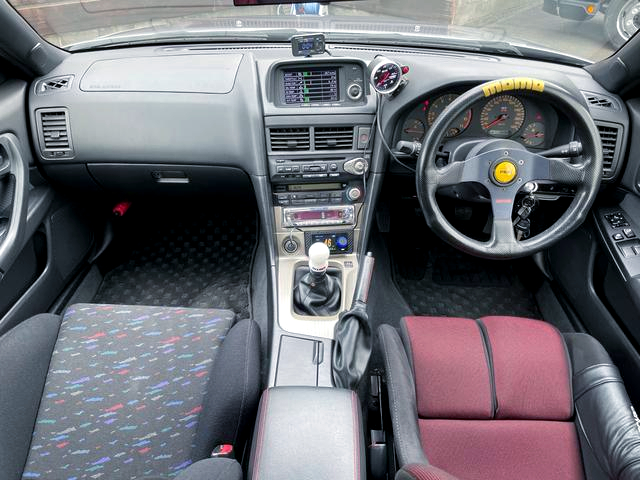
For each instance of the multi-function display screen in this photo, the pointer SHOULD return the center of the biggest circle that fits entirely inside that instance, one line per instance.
(311, 85)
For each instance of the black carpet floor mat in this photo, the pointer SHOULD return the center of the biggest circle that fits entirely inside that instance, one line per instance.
(439, 280)
(202, 261)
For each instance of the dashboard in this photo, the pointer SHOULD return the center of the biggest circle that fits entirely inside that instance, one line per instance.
(531, 122)
(262, 113)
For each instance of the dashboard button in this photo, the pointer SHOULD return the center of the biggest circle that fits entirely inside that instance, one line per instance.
(342, 242)
(354, 91)
(354, 194)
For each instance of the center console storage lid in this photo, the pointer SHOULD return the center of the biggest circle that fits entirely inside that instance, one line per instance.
(308, 432)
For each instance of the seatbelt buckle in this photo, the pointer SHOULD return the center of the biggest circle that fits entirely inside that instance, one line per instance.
(223, 451)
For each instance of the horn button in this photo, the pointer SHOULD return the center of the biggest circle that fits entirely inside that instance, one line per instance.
(504, 172)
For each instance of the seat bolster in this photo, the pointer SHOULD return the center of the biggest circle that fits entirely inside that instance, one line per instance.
(212, 469)
(402, 398)
(608, 425)
(233, 392)
(417, 471)
(25, 353)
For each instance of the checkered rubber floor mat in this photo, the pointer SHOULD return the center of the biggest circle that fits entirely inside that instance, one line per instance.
(202, 262)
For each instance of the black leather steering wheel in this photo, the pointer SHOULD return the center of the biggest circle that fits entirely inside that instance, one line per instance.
(504, 167)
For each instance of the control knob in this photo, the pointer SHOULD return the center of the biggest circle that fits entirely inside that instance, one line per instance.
(356, 166)
(354, 194)
(354, 91)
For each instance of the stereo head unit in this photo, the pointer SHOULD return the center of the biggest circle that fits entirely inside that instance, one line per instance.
(318, 216)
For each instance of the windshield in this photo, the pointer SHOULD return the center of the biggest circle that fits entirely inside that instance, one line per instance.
(571, 31)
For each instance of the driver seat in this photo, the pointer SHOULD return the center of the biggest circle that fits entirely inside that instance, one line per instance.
(501, 398)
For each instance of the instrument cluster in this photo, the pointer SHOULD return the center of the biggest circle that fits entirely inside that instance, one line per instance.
(520, 118)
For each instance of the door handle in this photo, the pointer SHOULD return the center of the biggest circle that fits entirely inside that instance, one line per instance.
(13, 164)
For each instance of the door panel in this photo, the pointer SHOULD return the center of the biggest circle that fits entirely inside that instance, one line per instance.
(43, 238)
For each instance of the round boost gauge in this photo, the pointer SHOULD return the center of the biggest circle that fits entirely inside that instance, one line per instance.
(385, 75)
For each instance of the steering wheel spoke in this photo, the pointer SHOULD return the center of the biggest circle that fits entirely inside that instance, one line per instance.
(460, 171)
(557, 170)
(502, 202)
(452, 174)
(503, 236)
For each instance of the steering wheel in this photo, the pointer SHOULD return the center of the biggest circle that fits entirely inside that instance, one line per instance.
(504, 167)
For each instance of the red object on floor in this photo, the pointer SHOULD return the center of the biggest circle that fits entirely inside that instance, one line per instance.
(121, 208)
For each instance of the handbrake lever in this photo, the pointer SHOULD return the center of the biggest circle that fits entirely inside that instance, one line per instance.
(353, 336)
(365, 275)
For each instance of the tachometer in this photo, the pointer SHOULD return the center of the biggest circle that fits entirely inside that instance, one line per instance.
(459, 125)
(533, 134)
(386, 75)
(502, 116)
(413, 129)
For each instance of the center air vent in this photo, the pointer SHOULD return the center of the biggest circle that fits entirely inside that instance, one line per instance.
(600, 101)
(289, 139)
(53, 132)
(610, 135)
(55, 84)
(333, 138)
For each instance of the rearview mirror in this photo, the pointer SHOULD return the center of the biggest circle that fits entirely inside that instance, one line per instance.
(307, 5)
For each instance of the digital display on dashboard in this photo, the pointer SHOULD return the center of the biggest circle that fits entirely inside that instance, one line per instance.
(337, 242)
(314, 187)
(310, 85)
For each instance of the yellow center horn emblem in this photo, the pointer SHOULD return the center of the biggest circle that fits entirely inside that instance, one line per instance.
(505, 172)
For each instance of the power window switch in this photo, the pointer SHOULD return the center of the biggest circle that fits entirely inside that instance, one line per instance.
(629, 233)
(629, 251)
(617, 236)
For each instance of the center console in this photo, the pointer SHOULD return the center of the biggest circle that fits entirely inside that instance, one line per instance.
(319, 115)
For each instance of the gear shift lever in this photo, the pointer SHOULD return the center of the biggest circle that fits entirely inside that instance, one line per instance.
(318, 259)
(317, 293)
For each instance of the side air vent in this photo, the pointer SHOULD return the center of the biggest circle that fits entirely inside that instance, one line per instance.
(611, 136)
(333, 138)
(55, 84)
(289, 139)
(53, 133)
(601, 101)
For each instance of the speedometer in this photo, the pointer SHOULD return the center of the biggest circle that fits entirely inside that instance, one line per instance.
(456, 127)
(502, 116)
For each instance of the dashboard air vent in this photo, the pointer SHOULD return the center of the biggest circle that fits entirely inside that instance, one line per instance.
(610, 135)
(55, 84)
(333, 138)
(53, 131)
(600, 101)
(289, 139)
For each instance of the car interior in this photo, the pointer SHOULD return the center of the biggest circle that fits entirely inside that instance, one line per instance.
(322, 255)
